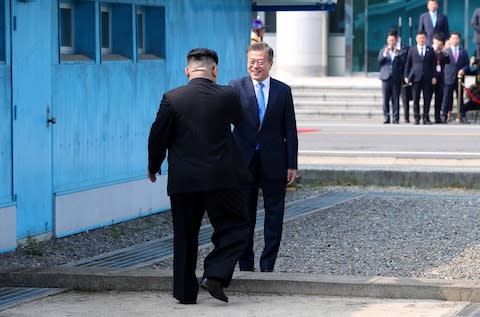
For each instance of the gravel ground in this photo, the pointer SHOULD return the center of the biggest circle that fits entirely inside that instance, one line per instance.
(34, 254)
(431, 235)
(418, 236)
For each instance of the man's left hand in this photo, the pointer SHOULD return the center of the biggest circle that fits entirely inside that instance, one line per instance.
(291, 176)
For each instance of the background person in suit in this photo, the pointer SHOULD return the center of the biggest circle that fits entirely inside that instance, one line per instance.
(476, 31)
(268, 141)
(433, 22)
(441, 59)
(421, 66)
(204, 171)
(458, 66)
(391, 75)
(405, 89)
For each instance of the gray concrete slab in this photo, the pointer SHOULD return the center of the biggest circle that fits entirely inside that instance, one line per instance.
(154, 303)
(147, 279)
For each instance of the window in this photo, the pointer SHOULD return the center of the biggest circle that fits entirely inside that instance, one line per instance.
(76, 27)
(106, 33)
(140, 31)
(150, 32)
(117, 31)
(66, 28)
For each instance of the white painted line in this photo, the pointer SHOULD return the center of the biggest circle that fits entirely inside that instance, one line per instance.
(389, 153)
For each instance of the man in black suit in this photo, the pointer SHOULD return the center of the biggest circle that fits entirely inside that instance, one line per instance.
(268, 141)
(419, 69)
(476, 31)
(441, 59)
(391, 75)
(454, 71)
(433, 22)
(204, 173)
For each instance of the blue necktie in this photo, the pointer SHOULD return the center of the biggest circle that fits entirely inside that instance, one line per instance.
(261, 102)
(434, 19)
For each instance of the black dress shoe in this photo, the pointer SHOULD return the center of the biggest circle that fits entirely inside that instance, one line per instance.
(417, 121)
(395, 122)
(267, 270)
(407, 120)
(386, 122)
(187, 302)
(214, 287)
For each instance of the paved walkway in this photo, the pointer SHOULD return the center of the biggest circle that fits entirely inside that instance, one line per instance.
(148, 304)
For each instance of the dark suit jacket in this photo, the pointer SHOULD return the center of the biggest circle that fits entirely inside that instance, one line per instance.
(452, 68)
(425, 24)
(194, 125)
(277, 136)
(422, 69)
(476, 26)
(389, 68)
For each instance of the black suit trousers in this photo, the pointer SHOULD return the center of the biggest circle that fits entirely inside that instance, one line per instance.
(274, 205)
(391, 92)
(424, 86)
(447, 103)
(438, 90)
(228, 217)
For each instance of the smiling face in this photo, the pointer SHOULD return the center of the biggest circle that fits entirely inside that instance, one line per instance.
(258, 64)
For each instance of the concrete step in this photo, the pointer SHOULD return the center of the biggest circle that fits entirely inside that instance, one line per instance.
(337, 97)
(347, 104)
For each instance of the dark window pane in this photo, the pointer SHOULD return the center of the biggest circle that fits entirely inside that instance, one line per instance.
(337, 18)
(105, 29)
(140, 30)
(66, 27)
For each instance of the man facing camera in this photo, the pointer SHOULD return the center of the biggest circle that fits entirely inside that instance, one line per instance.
(421, 66)
(391, 74)
(267, 138)
(433, 22)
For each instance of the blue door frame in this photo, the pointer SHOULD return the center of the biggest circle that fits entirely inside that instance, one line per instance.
(31, 98)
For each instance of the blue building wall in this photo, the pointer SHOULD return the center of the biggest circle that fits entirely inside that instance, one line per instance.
(92, 163)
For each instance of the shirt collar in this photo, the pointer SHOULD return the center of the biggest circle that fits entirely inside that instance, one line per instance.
(266, 83)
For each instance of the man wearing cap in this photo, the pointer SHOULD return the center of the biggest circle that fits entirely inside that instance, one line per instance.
(258, 30)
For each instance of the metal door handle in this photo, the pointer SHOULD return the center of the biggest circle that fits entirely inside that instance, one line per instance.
(50, 120)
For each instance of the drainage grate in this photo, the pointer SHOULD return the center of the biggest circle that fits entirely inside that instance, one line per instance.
(155, 251)
(12, 296)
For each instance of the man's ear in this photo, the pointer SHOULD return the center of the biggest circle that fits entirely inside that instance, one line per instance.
(215, 71)
(187, 72)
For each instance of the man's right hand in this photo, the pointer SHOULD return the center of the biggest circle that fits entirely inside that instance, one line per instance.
(151, 177)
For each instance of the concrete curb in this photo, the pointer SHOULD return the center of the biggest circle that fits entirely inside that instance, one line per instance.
(422, 179)
(99, 279)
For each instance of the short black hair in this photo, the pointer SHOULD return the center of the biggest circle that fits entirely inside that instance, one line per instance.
(455, 33)
(393, 32)
(198, 54)
(422, 33)
(439, 37)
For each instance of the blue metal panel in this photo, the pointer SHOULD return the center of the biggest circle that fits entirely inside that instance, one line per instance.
(3, 28)
(5, 134)
(5, 111)
(31, 70)
(104, 111)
